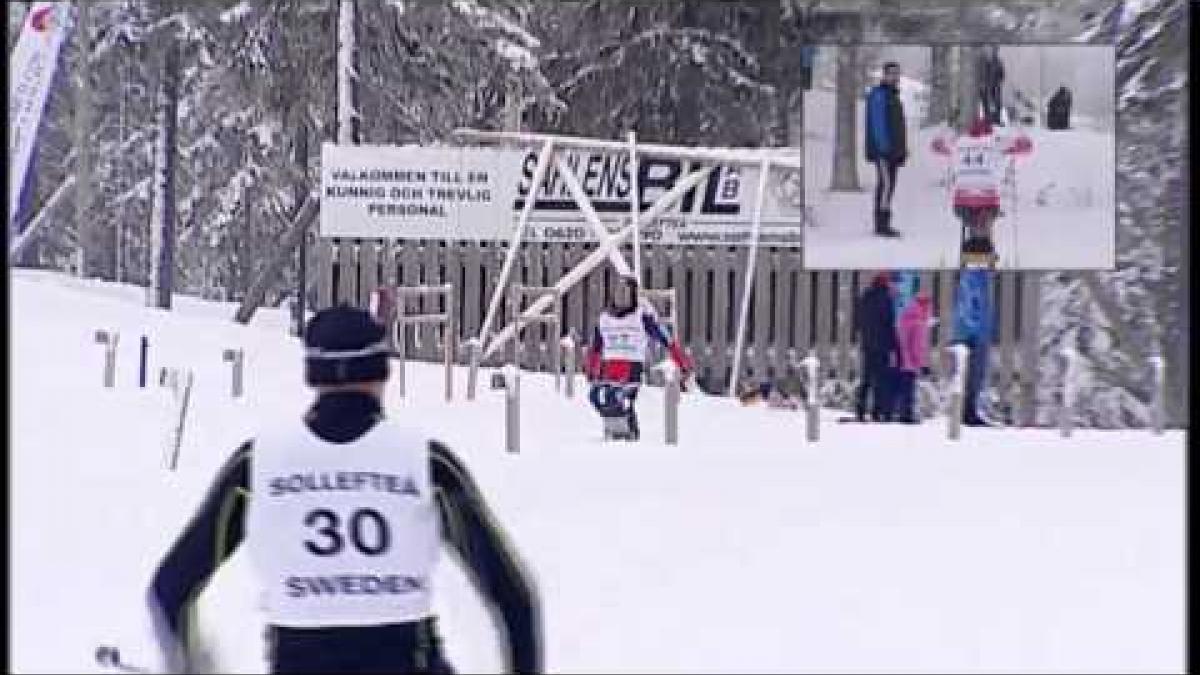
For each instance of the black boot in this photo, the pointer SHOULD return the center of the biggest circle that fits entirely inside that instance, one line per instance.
(634, 432)
(883, 224)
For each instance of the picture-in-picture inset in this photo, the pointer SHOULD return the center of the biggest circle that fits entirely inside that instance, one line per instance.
(973, 155)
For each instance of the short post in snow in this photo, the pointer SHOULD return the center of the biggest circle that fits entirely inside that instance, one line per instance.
(958, 384)
(237, 357)
(1066, 413)
(1158, 416)
(812, 407)
(109, 339)
(143, 357)
(671, 402)
(474, 349)
(512, 408)
(567, 348)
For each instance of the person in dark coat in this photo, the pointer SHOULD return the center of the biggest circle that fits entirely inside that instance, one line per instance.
(1058, 110)
(875, 328)
(886, 145)
(990, 71)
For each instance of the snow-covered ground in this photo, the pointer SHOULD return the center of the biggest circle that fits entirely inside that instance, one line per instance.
(879, 548)
(1064, 218)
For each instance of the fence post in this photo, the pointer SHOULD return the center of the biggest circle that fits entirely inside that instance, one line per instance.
(401, 354)
(450, 326)
(1157, 411)
(672, 402)
(959, 353)
(512, 408)
(237, 358)
(109, 339)
(1066, 420)
(812, 408)
(556, 359)
(567, 345)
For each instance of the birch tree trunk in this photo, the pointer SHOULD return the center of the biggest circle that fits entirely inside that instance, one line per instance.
(86, 227)
(968, 86)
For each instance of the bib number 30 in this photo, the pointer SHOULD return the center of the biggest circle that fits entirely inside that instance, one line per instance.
(368, 532)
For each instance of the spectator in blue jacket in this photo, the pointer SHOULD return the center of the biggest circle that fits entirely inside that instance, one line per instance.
(886, 144)
(973, 328)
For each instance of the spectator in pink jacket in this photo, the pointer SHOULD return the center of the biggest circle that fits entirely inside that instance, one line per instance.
(913, 336)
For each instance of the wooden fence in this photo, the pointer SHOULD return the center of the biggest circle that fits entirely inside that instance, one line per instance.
(792, 309)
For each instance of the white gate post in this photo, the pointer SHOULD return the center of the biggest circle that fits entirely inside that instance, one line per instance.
(514, 245)
(958, 384)
(512, 408)
(812, 418)
(752, 257)
(473, 352)
(671, 400)
(567, 346)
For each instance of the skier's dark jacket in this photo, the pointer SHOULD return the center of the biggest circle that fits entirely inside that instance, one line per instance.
(885, 127)
(875, 320)
(467, 527)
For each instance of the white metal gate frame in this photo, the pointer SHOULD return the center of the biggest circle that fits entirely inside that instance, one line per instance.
(549, 144)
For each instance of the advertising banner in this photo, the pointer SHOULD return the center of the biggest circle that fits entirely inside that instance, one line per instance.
(478, 194)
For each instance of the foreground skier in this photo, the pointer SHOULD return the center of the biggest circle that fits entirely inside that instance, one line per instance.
(341, 512)
(616, 358)
(978, 172)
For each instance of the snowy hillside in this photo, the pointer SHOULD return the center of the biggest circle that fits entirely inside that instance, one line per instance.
(1064, 215)
(880, 548)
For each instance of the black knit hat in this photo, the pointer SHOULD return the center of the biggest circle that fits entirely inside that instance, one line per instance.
(344, 344)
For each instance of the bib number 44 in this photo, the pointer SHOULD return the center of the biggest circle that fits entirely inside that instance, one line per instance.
(366, 529)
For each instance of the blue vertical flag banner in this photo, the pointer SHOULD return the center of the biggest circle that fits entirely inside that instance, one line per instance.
(31, 70)
(24, 210)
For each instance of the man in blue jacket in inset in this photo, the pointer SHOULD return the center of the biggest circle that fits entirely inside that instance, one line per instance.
(887, 147)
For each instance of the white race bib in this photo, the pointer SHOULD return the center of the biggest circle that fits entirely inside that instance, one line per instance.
(977, 164)
(343, 534)
(624, 338)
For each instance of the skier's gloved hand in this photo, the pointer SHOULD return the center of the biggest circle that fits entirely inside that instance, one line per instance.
(925, 372)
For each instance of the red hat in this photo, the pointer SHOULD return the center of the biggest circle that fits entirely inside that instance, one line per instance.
(980, 127)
